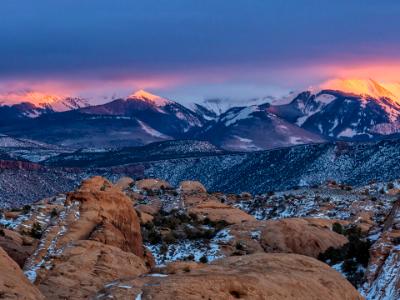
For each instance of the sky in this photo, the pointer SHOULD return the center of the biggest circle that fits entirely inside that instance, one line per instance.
(190, 50)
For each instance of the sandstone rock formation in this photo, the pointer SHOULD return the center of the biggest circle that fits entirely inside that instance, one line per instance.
(17, 246)
(383, 272)
(258, 276)
(84, 267)
(95, 239)
(302, 236)
(192, 187)
(13, 283)
(152, 184)
(217, 211)
(106, 215)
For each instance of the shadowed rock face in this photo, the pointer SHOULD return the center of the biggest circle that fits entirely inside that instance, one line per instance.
(13, 283)
(106, 215)
(17, 246)
(258, 276)
(302, 236)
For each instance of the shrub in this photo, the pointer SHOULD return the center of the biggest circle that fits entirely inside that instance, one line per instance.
(36, 231)
(169, 238)
(337, 227)
(203, 259)
(239, 246)
(53, 213)
(163, 249)
(2, 233)
(352, 254)
(26, 209)
(154, 236)
(190, 257)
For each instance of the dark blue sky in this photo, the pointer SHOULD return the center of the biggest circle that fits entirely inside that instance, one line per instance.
(193, 48)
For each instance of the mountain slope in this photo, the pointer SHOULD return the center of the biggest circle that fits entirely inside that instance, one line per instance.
(140, 119)
(255, 128)
(343, 116)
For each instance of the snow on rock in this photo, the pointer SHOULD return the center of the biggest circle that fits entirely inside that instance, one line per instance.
(47, 248)
(196, 249)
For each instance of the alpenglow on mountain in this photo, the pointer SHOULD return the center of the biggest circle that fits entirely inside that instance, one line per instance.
(363, 110)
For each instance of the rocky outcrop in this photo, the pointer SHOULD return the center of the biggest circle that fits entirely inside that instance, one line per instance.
(258, 276)
(192, 187)
(383, 272)
(216, 211)
(106, 215)
(20, 165)
(94, 239)
(85, 266)
(302, 236)
(17, 246)
(13, 283)
(205, 205)
(152, 184)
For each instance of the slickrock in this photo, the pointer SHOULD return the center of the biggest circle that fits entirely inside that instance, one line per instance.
(85, 266)
(302, 236)
(208, 206)
(258, 276)
(192, 187)
(124, 183)
(217, 211)
(17, 246)
(107, 215)
(13, 283)
(152, 184)
(96, 238)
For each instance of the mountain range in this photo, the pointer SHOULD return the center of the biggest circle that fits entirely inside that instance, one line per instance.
(361, 111)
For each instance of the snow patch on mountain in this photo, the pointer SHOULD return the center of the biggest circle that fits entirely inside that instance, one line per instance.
(245, 113)
(348, 132)
(152, 131)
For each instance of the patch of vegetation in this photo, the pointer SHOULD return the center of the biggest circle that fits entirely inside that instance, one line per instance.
(2, 233)
(203, 259)
(177, 225)
(26, 209)
(36, 231)
(53, 213)
(338, 228)
(354, 255)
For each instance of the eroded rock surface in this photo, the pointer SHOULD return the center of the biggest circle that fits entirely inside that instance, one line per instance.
(258, 276)
(13, 283)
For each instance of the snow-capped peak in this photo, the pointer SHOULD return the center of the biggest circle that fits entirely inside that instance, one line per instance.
(65, 104)
(41, 100)
(362, 87)
(146, 96)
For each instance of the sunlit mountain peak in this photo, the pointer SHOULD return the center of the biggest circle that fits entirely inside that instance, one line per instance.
(146, 96)
(368, 87)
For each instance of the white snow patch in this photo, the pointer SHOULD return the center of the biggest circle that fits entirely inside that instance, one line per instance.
(348, 132)
(244, 113)
(152, 131)
(325, 98)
